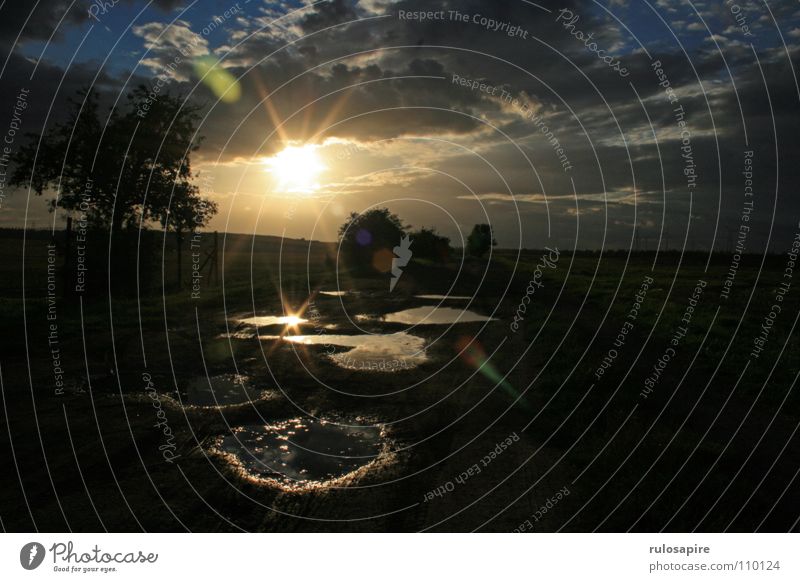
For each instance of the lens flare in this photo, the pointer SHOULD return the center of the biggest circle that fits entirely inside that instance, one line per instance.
(224, 85)
(473, 354)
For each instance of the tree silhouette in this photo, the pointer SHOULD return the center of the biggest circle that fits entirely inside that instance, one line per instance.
(184, 215)
(366, 240)
(428, 244)
(125, 169)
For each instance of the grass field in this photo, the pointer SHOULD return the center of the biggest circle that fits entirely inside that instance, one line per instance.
(87, 457)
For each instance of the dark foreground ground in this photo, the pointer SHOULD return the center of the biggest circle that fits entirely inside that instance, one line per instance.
(712, 447)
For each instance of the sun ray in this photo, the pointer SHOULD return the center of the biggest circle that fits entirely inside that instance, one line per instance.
(296, 168)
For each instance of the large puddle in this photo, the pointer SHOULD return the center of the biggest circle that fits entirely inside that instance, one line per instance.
(221, 390)
(267, 320)
(434, 315)
(301, 450)
(379, 352)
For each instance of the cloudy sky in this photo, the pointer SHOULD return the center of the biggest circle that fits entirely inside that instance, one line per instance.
(577, 123)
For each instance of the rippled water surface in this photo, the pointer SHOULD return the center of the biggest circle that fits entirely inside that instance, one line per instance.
(220, 390)
(379, 352)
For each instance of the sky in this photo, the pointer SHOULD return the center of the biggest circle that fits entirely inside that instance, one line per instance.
(576, 123)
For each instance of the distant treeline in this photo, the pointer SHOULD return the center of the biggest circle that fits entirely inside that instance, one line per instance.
(265, 241)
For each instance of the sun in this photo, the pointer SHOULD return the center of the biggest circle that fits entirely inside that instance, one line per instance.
(293, 321)
(296, 168)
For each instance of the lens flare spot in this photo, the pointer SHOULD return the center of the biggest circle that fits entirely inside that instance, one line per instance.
(363, 237)
(382, 260)
(224, 85)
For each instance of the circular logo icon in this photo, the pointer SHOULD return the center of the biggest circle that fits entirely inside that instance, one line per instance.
(31, 555)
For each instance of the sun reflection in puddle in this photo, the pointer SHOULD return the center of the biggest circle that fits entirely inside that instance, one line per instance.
(267, 320)
(434, 315)
(377, 352)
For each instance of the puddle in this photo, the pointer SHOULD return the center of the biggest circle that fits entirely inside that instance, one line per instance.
(302, 449)
(265, 320)
(220, 390)
(433, 315)
(444, 297)
(376, 352)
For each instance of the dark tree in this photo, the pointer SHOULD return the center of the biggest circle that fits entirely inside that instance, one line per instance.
(430, 245)
(128, 168)
(480, 240)
(185, 214)
(367, 239)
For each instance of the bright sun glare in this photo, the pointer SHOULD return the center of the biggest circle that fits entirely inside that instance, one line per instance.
(296, 168)
(293, 320)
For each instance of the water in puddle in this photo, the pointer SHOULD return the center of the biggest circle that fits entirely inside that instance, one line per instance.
(377, 352)
(302, 449)
(434, 315)
(220, 390)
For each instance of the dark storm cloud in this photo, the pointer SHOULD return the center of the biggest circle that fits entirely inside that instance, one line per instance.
(329, 13)
(592, 110)
(50, 89)
(38, 20)
(402, 104)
